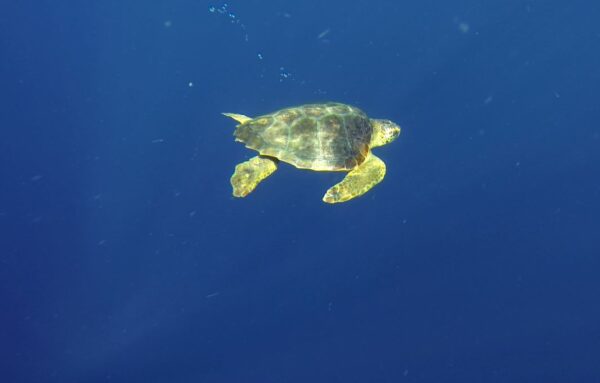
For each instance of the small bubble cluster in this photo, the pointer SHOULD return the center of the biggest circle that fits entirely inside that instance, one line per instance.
(224, 10)
(283, 74)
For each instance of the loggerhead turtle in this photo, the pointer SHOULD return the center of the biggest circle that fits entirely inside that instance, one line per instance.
(320, 137)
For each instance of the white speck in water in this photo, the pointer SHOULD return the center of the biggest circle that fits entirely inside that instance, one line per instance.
(464, 27)
(323, 34)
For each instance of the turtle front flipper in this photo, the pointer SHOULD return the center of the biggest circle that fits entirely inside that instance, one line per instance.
(249, 174)
(358, 181)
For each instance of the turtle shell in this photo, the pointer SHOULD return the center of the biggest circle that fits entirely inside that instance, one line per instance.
(328, 136)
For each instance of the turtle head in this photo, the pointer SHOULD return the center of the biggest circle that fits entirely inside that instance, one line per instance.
(384, 132)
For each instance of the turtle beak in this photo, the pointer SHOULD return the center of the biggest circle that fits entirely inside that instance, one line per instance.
(394, 132)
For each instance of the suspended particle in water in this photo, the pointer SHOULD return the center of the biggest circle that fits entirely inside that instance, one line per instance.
(260, 56)
(323, 34)
(464, 27)
(461, 25)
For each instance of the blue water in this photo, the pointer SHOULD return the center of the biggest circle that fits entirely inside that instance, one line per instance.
(124, 257)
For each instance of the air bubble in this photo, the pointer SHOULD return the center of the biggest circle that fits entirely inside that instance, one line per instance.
(283, 74)
(233, 19)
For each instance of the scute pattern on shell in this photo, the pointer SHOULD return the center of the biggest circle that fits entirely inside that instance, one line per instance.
(328, 136)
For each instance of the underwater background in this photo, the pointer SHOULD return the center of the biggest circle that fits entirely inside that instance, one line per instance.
(124, 257)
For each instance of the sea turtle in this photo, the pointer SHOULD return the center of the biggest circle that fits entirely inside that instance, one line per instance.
(321, 137)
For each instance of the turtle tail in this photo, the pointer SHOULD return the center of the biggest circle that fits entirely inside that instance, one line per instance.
(243, 132)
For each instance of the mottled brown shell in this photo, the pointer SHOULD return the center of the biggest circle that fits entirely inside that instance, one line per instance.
(316, 136)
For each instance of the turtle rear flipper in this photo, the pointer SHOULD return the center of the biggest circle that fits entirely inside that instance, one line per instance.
(358, 181)
(249, 174)
(238, 117)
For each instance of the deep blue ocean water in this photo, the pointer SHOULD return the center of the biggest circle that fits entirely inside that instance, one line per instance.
(124, 257)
